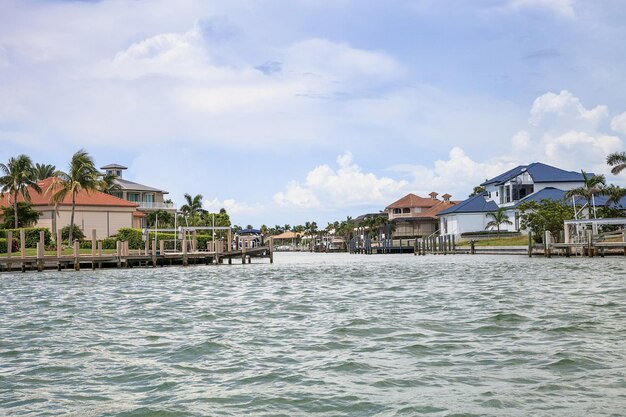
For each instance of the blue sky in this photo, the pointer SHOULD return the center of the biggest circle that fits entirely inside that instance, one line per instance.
(291, 111)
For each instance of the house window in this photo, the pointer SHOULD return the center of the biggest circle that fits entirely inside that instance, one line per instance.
(148, 198)
(397, 211)
(418, 209)
(134, 197)
(406, 210)
(117, 194)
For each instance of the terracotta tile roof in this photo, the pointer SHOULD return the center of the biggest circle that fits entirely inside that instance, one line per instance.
(139, 214)
(431, 213)
(83, 198)
(411, 200)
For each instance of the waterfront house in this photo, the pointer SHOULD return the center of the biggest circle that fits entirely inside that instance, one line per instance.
(532, 182)
(147, 198)
(94, 210)
(415, 216)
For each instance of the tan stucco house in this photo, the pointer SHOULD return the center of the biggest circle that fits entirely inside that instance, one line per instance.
(94, 210)
(147, 198)
(415, 216)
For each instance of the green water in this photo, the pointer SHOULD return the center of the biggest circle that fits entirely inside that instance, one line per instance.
(315, 334)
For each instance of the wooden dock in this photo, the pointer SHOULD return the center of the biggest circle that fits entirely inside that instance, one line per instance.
(217, 252)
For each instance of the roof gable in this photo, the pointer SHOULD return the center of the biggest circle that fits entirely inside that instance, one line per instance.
(539, 172)
(475, 204)
(412, 200)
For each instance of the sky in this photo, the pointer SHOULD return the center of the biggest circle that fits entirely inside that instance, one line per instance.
(290, 111)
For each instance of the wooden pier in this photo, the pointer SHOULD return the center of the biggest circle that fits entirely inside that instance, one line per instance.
(217, 252)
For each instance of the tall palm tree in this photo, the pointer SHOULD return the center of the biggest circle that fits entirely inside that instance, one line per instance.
(193, 205)
(81, 175)
(19, 174)
(618, 161)
(592, 185)
(108, 184)
(615, 194)
(43, 171)
(499, 218)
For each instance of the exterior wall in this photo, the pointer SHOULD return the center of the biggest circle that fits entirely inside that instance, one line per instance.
(402, 215)
(106, 220)
(472, 222)
(560, 185)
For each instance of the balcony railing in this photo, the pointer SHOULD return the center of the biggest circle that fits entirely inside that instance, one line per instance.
(155, 206)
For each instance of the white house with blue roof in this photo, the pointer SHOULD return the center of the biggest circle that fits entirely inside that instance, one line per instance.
(523, 183)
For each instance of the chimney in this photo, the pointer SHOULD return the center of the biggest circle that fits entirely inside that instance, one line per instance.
(446, 197)
(433, 195)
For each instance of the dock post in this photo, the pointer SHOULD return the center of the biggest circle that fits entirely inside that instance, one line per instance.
(93, 243)
(154, 259)
(453, 239)
(271, 250)
(9, 243)
(59, 243)
(590, 243)
(185, 259)
(9, 248)
(76, 255)
(243, 252)
(229, 240)
(118, 253)
(40, 252)
(22, 244)
(146, 246)
(472, 247)
(547, 240)
(530, 244)
(194, 241)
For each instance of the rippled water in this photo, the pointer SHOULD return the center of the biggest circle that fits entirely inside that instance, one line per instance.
(314, 334)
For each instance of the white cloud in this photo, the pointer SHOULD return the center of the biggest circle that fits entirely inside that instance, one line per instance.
(233, 207)
(561, 7)
(564, 109)
(296, 195)
(345, 186)
(618, 124)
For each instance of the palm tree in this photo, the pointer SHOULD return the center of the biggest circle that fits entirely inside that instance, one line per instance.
(618, 161)
(193, 205)
(19, 174)
(81, 175)
(108, 184)
(43, 171)
(592, 185)
(479, 189)
(499, 217)
(615, 194)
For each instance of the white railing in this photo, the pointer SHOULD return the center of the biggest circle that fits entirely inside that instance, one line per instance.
(151, 205)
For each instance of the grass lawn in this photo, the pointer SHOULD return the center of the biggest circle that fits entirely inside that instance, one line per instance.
(503, 241)
(66, 252)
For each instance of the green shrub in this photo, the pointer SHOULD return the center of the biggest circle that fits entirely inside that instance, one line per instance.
(3, 233)
(134, 237)
(85, 244)
(3, 245)
(31, 235)
(109, 243)
(77, 233)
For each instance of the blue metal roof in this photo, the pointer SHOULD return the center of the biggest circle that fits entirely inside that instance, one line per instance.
(249, 232)
(539, 173)
(476, 204)
(554, 194)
